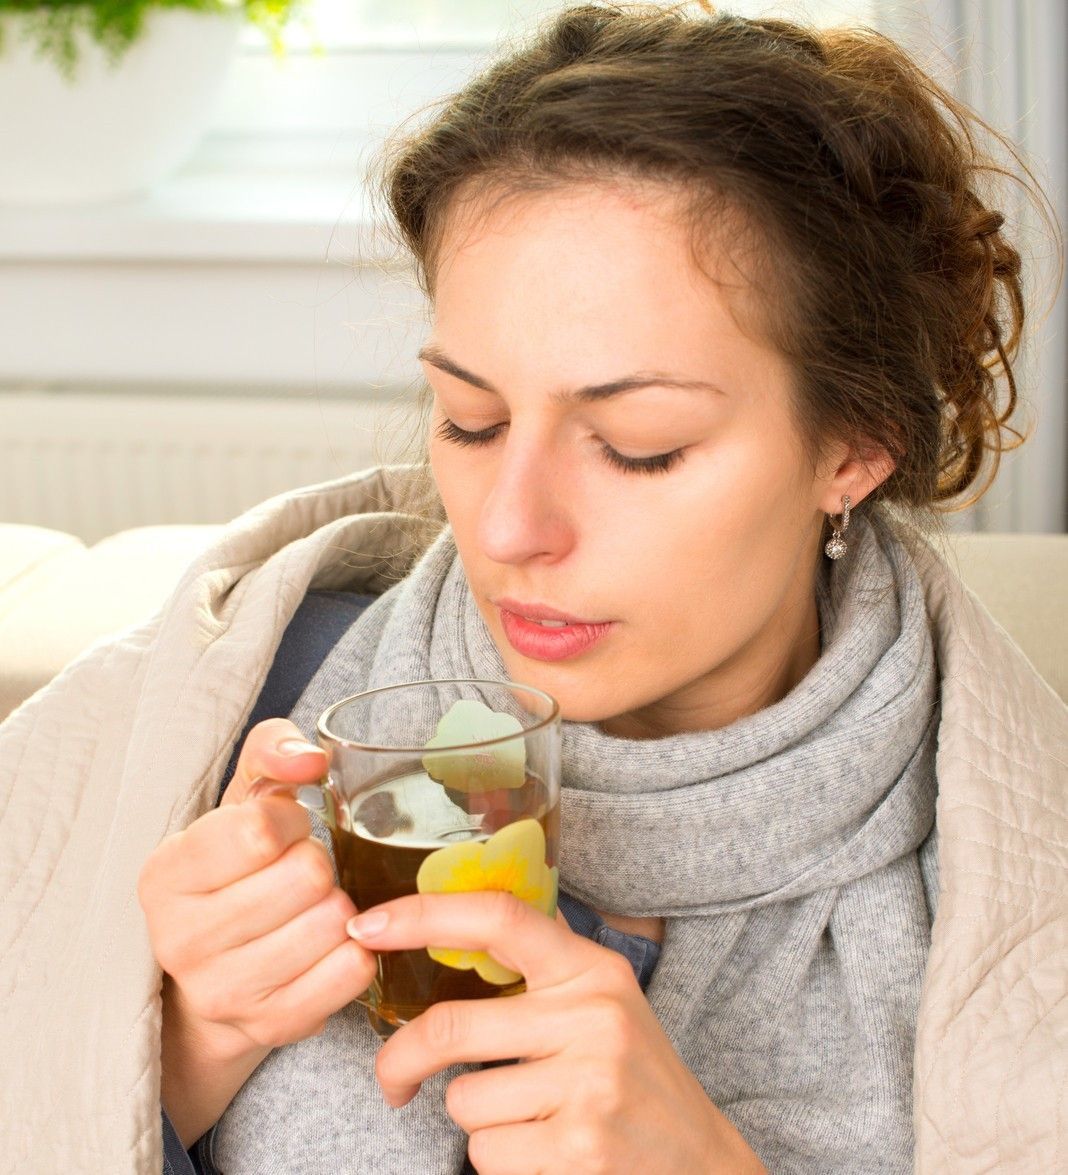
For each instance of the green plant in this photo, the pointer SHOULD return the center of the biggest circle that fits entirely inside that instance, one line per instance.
(54, 26)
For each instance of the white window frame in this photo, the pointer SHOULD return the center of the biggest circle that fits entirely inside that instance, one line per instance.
(262, 249)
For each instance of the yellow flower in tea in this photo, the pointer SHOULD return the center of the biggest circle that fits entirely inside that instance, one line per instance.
(482, 769)
(513, 859)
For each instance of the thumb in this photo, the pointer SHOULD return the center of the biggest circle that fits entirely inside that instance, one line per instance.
(275, 749)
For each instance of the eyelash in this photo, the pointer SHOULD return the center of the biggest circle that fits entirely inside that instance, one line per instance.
(661, 463)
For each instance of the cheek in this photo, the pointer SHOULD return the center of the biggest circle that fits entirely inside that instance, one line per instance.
(720, 506)
(462, 484)
(722, 548)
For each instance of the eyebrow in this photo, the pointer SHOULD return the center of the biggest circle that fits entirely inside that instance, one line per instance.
(592, 392)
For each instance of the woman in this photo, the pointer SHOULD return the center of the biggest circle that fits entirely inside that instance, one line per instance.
(715, 304)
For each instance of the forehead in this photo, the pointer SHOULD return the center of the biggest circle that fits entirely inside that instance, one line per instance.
(599, 274)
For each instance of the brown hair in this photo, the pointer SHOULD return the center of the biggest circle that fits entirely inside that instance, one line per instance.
(898, 296)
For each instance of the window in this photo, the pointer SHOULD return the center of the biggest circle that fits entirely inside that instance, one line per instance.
(352, 69)
(264, 245)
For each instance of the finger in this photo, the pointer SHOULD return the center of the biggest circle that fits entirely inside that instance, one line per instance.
(275, 749)
(229, 843)
(517, 1149)
(473, 1030)
(325, 988)
(265, 900)
(252, 972)
(544, 951)
(507, 1093)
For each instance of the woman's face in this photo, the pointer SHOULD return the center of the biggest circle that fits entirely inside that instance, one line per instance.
(612, 449)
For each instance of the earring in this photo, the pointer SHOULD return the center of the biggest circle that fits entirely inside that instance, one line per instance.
(836, 545)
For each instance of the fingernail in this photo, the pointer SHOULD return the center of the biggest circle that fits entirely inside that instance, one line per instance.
(367, 925)
(296, 746)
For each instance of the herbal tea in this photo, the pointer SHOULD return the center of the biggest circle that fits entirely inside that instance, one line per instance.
(379, 846)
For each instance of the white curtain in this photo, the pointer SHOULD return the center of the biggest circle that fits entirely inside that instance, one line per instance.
(1007, 59)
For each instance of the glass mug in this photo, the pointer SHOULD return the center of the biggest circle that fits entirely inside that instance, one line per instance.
(438, 786)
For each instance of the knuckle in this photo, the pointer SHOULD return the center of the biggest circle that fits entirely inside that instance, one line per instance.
(619, 971)
(152, 875)
(272, 1025)
(316, 868)
(260, 839)
(585, 1148)
(280, 1031)
(173, 953)
(445, 1025)
(365, 968)
(457, 1101)
(174, 948)
(341, 908)
(146, 884)
(383, 1064)
(422, 907)
(610, 1017)
(167, 957)
(258, 747)
(267, 734)
(507, 911)
(603, 1088)
(210, 1001)
(479, 1146)
(268, 1034)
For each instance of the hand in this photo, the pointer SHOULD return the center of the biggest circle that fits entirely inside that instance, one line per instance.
(600, 1087)
(244, 916)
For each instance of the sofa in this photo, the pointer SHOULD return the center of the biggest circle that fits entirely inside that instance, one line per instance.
(58, 596)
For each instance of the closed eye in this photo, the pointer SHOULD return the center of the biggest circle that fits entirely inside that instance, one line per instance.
(447, 430)
(660, 463)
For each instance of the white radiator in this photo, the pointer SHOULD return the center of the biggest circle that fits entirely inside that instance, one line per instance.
(93, 464)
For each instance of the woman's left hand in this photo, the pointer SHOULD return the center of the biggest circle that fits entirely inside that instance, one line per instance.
(599, 1088)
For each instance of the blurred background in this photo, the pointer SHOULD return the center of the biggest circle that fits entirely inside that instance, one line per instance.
(198, 309)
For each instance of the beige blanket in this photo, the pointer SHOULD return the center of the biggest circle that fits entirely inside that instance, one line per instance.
(129, 744)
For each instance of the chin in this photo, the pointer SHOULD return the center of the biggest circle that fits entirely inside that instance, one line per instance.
(577, 702)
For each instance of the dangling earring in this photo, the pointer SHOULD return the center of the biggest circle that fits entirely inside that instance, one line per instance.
(836, 545)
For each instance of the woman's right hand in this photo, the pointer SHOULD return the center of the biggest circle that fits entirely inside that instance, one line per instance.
(246, 922)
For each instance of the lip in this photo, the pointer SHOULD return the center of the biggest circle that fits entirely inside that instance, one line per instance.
(539, 612)
(548, 644)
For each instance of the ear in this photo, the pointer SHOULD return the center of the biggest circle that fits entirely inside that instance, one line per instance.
(855, 474)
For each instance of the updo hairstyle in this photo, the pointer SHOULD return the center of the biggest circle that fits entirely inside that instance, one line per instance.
(886, 277)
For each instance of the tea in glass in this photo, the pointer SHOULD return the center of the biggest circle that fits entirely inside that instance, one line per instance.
(379, 847)
(439, 787)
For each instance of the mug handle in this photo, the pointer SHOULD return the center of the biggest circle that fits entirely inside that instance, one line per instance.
(318, 799)
(323, 805)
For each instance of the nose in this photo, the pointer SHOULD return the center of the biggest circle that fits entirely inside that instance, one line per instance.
(524, 516)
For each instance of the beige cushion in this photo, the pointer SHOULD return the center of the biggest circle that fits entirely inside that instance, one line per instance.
(28, 554)
(1023, 581)
(57, 597)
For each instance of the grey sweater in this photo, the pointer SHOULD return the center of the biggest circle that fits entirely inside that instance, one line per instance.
(791, 854)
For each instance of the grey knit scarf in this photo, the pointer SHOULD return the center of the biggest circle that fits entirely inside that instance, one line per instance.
(791, 853)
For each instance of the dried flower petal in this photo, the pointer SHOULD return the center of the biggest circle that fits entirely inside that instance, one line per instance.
(512, 860)
(485, 769)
